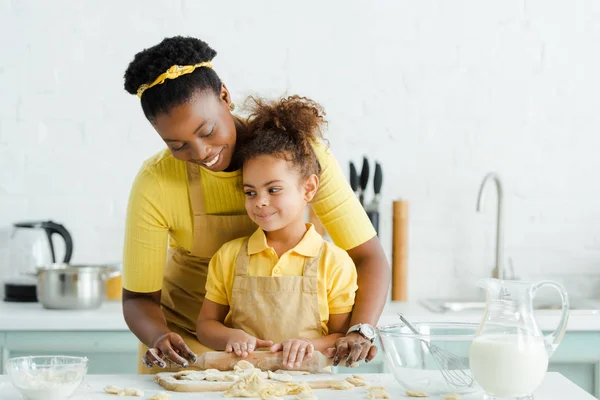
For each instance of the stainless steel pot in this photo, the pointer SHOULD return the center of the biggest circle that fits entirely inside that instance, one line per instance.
(65, 286)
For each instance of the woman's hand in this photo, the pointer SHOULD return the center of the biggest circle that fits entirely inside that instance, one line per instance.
(294, 351)
(354, 348)
(243, 344)
(169, 347)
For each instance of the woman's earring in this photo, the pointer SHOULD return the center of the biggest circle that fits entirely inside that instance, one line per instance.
(231, 106)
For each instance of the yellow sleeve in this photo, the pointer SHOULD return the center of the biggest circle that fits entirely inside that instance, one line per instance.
(146, 233)
(342, 285)
(221, 271)
(336, 204)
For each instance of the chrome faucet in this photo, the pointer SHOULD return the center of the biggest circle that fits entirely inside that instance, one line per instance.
(499, 271)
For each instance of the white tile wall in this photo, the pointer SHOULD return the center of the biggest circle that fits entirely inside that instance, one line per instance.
(439, 92)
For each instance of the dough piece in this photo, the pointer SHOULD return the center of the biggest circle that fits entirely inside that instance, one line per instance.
(451, 396)
(112, 389)
(341, 385)
(279, 377)
(190, 375)
(242, 364)
(131, 392)
(362, 378)
(414, 393)
(292, 373)
(249, 386)
(357, 381)
(298, 388)
(160, 396)
(378, 392)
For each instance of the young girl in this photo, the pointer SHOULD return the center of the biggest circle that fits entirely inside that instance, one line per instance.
(283, 287)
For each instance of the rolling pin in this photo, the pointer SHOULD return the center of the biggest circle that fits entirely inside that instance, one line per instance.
(263, 360)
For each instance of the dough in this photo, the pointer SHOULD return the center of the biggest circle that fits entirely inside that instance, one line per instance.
(112, 389)
(378, 392)
(341, 385)
(414, 393)
(131, 392)
(292, 373)
(123, 392)
(190, 375)
(250, 386)
(243, 364)
(279, 377)
(356, 381)
(298, 388)
(160, 396)
(451, 396)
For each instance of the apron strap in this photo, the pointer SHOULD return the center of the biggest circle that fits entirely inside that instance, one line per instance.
(311, 264)
(242, 260)
(195, 188)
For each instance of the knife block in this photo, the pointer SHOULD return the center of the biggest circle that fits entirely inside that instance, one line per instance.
(400, 250)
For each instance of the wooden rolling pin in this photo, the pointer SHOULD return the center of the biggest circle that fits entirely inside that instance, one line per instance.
(263, 360)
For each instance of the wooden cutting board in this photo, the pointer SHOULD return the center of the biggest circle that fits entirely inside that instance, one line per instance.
(167, 381)
(263, 360)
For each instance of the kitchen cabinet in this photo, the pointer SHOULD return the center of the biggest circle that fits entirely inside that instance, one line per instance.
(109, 352)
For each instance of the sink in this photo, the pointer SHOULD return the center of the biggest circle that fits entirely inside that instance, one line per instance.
(457, 305)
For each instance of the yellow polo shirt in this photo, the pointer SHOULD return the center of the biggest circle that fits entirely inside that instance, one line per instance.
(159, 212)
(337, 273)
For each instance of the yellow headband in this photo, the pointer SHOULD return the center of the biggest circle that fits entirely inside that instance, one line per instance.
(174, 72)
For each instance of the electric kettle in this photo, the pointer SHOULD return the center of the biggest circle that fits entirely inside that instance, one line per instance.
(31, 246)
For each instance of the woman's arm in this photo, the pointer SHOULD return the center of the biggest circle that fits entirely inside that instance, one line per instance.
(348, 225)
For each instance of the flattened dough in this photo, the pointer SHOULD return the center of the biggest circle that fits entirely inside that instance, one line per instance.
(112, 389)
(341, 385)
(131, 392)
(279, 377)
(414, 393)
(242, 364)
(451, 396)
(357, 381)
(292, 373)
(160, 396)
(378, 392)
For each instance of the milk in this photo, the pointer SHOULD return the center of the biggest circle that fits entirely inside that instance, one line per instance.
(508, 365)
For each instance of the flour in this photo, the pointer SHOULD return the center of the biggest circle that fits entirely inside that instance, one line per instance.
(49, 385)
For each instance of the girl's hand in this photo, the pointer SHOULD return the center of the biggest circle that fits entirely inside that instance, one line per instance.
(169, 347)
(294, 351)
(243, 344)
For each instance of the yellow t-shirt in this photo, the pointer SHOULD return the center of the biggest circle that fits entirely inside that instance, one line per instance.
(159, 210)
(336, 276)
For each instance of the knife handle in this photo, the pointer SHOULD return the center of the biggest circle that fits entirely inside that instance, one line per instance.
(378, 178)
(374, 218)
(353, 177)
(364, 174)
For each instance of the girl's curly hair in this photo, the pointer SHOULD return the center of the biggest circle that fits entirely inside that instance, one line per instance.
(284, 128)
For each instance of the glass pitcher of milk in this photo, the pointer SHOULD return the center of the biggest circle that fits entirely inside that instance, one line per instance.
(509, 355)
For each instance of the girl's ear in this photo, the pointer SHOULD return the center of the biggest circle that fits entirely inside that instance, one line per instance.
(311, 185)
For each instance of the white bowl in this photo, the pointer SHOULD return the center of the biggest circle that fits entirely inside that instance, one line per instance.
(47, 377)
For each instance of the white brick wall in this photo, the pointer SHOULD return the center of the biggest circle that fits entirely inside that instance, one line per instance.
(439, 92)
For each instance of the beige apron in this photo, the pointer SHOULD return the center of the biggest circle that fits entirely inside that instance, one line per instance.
(185, 272)
(276, 307)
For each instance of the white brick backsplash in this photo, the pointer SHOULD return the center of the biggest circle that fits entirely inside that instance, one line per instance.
(438, 92)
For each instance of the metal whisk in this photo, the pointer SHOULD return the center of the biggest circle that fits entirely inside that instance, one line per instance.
(454, 370)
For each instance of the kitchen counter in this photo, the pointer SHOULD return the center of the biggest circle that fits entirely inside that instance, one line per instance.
(554, 387)
(109, 317)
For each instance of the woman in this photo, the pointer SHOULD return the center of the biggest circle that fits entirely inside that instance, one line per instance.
(190, 194)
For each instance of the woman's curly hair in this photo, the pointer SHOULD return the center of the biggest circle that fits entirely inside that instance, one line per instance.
(285, 128)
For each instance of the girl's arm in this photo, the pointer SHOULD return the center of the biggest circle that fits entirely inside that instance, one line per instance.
(211, 331)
